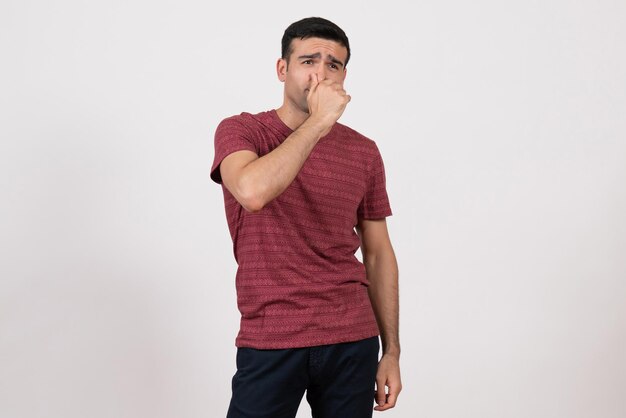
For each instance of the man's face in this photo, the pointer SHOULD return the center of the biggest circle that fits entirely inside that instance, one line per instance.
(309, 57)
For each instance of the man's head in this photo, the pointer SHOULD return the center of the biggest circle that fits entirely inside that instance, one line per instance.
(313, 27)
(313, 50)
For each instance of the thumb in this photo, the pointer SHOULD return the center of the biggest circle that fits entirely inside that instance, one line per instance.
(314, 82)
(381, 396)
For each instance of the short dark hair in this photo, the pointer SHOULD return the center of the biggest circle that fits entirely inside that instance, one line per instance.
(313, 27)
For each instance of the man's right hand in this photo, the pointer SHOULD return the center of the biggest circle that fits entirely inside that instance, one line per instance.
(327, 100)
(254, 181)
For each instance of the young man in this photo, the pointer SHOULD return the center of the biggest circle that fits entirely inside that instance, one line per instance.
(296, 185)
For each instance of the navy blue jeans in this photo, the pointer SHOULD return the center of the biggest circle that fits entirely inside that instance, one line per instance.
(338, 379)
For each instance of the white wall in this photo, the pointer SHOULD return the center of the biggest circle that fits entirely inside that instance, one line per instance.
(503, 130)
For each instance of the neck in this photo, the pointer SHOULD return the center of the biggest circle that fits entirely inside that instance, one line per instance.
(293, 118)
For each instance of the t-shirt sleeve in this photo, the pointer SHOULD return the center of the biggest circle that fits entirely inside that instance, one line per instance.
(375, 203)
(231, 135)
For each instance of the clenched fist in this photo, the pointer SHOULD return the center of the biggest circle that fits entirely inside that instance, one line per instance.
(327, 100)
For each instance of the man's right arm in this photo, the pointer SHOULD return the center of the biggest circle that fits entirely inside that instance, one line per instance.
(255, 181)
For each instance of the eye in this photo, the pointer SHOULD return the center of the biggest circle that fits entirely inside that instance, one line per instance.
(333, 66)
(307, 62)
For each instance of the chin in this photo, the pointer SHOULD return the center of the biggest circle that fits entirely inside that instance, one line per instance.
(304, 107)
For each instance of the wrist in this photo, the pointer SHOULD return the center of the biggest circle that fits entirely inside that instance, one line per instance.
(317, 126)
(392, 353)
(391, 350)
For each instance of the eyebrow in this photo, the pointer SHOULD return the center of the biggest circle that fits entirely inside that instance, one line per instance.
(318, 56)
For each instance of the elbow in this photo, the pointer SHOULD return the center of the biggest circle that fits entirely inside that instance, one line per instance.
(251, 204)
(250, 198)
(248, 191)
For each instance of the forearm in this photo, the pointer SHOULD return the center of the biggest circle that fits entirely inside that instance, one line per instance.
(265, 178)
(382, 274)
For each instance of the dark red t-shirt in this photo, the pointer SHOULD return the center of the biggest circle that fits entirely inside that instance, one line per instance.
(299, 283)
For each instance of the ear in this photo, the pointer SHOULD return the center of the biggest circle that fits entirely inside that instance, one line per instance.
(281, 69)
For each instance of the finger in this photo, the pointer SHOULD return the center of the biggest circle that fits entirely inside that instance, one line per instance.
(381, 396)
(314, 82)
(392, 398)
(382, 407)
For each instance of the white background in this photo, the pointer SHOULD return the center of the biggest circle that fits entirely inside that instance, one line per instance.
(502, 126)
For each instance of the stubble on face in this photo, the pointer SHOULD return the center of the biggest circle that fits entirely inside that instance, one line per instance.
(299, 79)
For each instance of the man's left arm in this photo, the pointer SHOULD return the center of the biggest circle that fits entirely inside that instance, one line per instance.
(382, 274)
